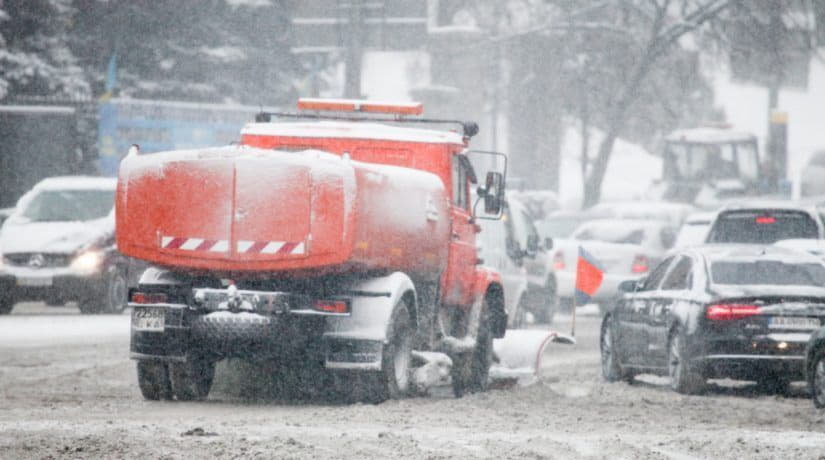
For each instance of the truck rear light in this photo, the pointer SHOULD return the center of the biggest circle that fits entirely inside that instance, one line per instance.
(731, 311)
(558, 261)
(353, 105)
(640, 264)
(332, 306)
(149, 297)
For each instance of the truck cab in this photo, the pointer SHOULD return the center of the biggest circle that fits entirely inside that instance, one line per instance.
(709, 165)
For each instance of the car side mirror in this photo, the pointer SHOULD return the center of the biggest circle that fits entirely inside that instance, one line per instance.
(493, 192)
(629, 286)
(548, 243)
(532, 244)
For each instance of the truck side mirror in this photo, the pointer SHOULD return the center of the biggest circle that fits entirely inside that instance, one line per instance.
(548, 243)
(493, 192)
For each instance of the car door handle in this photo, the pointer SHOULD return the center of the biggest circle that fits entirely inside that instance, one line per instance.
(456, 236)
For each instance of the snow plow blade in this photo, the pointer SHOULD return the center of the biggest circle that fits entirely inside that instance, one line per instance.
(517, 356)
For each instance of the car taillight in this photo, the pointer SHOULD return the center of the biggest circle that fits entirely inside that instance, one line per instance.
(558, 261)
(731, 311)
(640, 264)
(149, 297)
(332, 306)
(766, 220)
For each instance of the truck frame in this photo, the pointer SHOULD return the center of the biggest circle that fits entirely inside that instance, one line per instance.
(401, 313)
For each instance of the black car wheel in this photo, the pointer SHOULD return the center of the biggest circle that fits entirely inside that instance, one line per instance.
(817, 381)
(683, 377)
(611, 369)
(113, 298)
(6, 306)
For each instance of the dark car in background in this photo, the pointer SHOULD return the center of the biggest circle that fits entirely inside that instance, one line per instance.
(59, 246)
(718, 311)
(765, 223)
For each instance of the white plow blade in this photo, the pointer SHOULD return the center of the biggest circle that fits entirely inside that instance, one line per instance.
(518, 355)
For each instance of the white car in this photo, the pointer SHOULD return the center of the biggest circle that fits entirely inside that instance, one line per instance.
(674, 213)
(694, 230)
(59, 245)
(499, 249)
(626, 248)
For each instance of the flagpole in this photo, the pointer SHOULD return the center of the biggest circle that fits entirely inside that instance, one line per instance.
(573, 313)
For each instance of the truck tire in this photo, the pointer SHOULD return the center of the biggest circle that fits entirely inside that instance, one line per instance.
(393, 382)
(192, 379)
(471, 371)
(153, 380)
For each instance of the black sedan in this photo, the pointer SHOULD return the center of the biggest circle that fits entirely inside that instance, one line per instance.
(717, 311)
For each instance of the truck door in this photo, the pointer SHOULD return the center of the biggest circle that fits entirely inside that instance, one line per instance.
(458, 280)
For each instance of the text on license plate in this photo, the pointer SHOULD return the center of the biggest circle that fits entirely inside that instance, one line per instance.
(148, 319)
(793, 322)
(34, 281)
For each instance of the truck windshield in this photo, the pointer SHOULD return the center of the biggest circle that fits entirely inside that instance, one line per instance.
(69, 205)
(701, 162)
(768, 272)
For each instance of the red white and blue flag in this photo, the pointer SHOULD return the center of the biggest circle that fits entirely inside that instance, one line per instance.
(589, 275)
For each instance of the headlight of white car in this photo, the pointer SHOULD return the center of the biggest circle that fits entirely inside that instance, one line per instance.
(88, 261)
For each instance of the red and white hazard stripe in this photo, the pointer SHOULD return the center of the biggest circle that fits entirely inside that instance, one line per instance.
(194, 244)
(271, 247)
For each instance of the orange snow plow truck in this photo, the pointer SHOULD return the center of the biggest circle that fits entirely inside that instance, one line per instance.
(340, 243)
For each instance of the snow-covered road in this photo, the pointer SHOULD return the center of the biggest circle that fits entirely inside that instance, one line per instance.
(69, 390)
(34, 326)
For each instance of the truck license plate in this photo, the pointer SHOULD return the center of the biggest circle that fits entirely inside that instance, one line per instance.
(793, 322)
(148, 319)
(34, 281)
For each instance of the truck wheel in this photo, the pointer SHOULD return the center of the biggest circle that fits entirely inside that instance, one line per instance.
(191, 380)
(471, 371)
(153, 379)
(394, 380)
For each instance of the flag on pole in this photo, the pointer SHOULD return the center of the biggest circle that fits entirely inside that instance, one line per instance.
(589, 275)
(111, 78)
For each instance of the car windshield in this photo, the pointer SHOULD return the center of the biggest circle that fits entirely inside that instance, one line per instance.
(610, 232)
(762, 227)
(773, 272)
(69, 205)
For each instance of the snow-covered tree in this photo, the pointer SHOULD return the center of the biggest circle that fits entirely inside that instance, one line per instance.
(35, 58)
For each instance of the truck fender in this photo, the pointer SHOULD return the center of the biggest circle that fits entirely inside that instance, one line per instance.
(372, 302)
(488, 287)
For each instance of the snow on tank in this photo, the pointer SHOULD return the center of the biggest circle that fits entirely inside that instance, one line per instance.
(351, 130)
